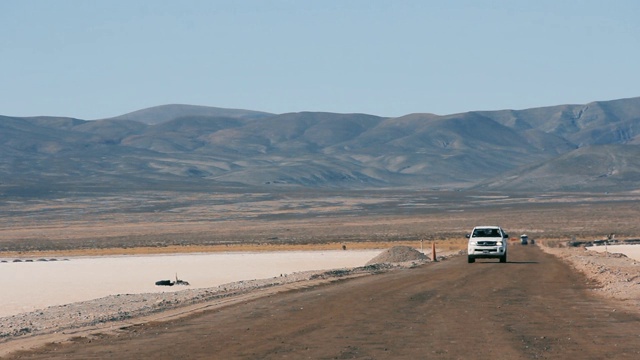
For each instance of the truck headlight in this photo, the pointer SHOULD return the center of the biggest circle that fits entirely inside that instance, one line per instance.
(499, 243)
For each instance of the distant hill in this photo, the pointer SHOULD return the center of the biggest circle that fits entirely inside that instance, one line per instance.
(159, 114)
(596, 168)
(590, 147)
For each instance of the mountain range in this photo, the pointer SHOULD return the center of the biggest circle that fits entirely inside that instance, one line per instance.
(590, 147)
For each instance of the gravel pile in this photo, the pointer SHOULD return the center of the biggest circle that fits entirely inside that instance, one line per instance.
(399, 254)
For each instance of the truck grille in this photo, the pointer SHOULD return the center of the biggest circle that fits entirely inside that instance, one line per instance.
(486, 243)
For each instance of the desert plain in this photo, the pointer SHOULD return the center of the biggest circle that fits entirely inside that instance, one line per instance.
(523, 304)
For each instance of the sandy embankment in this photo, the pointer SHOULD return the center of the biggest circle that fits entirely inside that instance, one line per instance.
(614, 274)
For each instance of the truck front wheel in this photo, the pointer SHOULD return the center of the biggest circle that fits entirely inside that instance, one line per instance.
(471, 259)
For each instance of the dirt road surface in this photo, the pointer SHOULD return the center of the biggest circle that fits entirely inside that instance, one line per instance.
(532, 307)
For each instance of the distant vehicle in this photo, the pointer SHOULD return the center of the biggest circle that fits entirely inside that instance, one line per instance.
(487, 242)
(524, 239)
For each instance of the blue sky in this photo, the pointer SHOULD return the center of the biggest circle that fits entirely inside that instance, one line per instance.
(98, 59)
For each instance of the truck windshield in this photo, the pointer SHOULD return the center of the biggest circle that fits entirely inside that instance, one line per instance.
(486, 233)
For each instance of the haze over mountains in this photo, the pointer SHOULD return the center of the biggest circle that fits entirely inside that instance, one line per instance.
(591, 147)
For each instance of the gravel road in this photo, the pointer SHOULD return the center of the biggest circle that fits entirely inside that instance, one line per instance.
(535, 306)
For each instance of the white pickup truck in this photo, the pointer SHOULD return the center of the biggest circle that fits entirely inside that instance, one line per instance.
(487, 242)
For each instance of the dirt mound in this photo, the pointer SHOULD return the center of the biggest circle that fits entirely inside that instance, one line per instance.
(398, 254)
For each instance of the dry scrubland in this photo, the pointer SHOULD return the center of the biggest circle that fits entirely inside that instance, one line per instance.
(164, 222)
